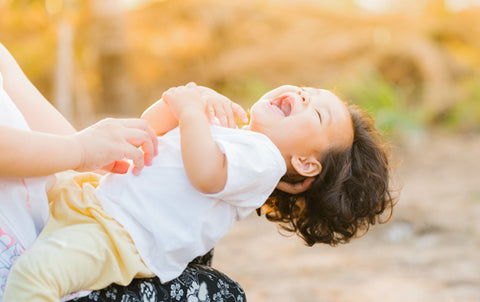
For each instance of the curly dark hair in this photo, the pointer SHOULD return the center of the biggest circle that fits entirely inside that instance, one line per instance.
(348, 196)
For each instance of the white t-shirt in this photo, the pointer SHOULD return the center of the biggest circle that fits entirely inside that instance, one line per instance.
(23, 201)
(170, 221)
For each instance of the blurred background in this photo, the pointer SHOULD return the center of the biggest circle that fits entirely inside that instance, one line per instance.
(413, 64)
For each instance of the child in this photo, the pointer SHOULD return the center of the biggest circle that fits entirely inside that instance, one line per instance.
(323, 158)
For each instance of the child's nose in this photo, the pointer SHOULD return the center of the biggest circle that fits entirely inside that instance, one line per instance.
(304, 98)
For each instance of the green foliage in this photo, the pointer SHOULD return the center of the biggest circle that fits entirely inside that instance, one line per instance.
(245, 48)
(465, 115)
(386, 103)
(245, 90)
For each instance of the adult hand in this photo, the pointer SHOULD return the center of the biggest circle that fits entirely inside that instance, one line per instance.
(108, 143)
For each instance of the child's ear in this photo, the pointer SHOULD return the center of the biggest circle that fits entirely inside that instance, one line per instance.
(307, 166)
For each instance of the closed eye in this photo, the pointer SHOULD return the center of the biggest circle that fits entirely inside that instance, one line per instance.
(319, 116)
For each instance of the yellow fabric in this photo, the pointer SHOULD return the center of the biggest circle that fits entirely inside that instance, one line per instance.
(81, 247)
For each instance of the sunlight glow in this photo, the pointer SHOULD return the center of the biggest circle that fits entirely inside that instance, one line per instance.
(377, 6)
(459, 5)
(53, 7)
(382, 6)
(135, 4)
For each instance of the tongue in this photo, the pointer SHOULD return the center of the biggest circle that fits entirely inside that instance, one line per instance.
(286, 108)
(282, 105)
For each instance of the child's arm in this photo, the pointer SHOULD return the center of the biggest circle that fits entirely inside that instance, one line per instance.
(160, 117)
(204, 162)
(219, 107)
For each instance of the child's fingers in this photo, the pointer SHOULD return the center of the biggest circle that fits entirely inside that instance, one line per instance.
(221, 115)
(215, 112)
(229, 116)
(191, 85)
(210, 113)
(231, 110)
(225, 112)
(168, 94)
(240, 112)
(222, 108)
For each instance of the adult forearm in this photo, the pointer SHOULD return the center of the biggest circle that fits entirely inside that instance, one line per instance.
(29, 154)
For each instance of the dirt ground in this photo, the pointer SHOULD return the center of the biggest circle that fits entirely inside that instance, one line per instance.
(429, 251)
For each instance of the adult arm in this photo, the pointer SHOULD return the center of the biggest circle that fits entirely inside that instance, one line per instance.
(54, 145)
(27, 153)
(30, 153)
(38, 112)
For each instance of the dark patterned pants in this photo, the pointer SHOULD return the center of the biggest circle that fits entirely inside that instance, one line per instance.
(198, 283)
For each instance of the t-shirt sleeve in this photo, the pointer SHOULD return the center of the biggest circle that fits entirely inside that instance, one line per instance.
(255, 165)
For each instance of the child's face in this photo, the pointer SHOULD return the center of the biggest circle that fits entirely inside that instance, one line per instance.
(302, 121)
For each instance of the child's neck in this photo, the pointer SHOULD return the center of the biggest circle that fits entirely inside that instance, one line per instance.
(285, 156)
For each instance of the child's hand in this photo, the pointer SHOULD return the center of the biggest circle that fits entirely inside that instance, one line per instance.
(222, 108)
(206, 100)
(184, 99)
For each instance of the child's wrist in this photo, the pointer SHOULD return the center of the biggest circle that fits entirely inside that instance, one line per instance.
(192, 114)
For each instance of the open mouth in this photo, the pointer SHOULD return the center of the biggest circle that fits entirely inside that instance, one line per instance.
(283, 104)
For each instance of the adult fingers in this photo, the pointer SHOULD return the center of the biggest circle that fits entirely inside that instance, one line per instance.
(141, 139)
(137, 157)
(153, 137)
(136, 133)
(141, 134)
(118, 167)
(148, 154)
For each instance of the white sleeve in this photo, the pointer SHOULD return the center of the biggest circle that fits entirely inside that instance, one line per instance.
(255, 166)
